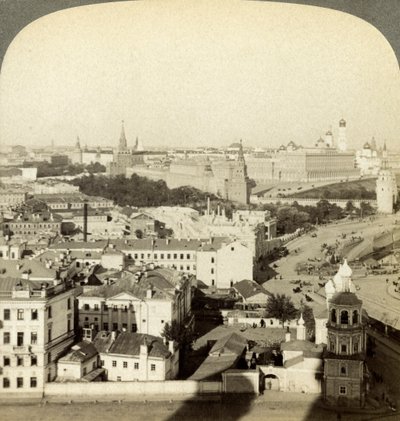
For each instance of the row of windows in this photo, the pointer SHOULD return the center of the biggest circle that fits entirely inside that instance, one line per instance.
(125, 365)
(20, 338)
(20, 382)
(115, 326)
(34, 315)
(343, 347)
(20, 314)
(14, 225)
(21, 361)
(344, 317)
(162, 256)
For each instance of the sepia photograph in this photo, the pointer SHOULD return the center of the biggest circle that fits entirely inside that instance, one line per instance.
(199, 210)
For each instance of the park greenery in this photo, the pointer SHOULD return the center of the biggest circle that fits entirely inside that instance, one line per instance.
(295, 216)
(140, 191)
(46, 169)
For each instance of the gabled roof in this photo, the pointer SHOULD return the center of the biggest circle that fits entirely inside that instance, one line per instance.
(128, 343)
(35, 268)
(232, 344)
(249, 288)
(81, 352)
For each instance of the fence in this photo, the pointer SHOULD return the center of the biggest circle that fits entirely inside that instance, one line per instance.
(113, 390)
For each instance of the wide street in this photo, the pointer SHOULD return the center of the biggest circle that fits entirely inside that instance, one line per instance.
(272, 406)
(372, 289)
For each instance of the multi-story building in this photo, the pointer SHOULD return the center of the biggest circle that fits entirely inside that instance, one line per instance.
(11, 198)
(36, 327)
(33, 224)
(65, 202)
(218, 262)
(137, 357)
(143, 302)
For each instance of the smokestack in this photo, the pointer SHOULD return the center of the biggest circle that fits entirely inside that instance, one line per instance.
(85, 216)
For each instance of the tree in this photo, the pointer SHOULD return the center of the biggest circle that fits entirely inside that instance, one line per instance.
(350, 208)
(281, 307)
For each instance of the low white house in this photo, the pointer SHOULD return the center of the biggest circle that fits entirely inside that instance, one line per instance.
(80, 361)
(136, 357)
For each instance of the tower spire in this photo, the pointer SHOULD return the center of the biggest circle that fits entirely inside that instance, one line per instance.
(240, 154)
(122, 139)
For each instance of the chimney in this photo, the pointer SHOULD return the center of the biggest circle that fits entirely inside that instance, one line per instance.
(85, 217)
(19, 266)
(144, 347)
(167, 241)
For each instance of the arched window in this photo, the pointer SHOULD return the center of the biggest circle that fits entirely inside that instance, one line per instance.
(344, 317)
(333, 315)
(355, 317)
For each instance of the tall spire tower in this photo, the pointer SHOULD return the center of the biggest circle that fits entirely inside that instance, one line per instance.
(123, 144)
(342, 141)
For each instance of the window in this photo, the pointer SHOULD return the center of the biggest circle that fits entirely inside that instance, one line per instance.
(96, 307)
(20, 382)
(6, 361)
(33, 360)
(168, 256)
(49, 312)
(33, 382)
(118, 378)
(6, 315)
(134, 327)
(232, 248)
(188, 256)
(355, 347)
(343, 370)
(344, 317)
(355, 317)
(33, 338)
(69, 304)
(175, 256)
(20, 338)
(342, 390)
(49, 335)
(333, 316)
(182, 256)
(332, 346)
(68, 325)
(115, 308)
(343, 348)
(212, 282)
(6, 382)
(86, 307)
(115, 326)
(155, 256)
(153, 367)
(20, 314)
(144, 321)
(125, 364)
(84, 371)
(105, 326)
(101, 363)
(136, 366)
(114, 363)
(212, 270)
(124, 326)
(34, 314)
(6, 338)
(212, 260)
(49, 358)
(20, 361)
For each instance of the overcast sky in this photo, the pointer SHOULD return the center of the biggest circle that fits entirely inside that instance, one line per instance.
(197, 73)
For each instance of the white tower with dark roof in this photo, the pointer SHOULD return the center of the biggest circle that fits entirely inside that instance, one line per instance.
(342, 140)
(386, 186)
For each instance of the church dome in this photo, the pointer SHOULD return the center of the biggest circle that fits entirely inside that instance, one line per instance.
(345, 270)
(346, 299)
(366, 146)
(342, 122)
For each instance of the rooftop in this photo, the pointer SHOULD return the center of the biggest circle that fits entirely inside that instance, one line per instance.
(249, 288)
(345, 299)
(81, 352)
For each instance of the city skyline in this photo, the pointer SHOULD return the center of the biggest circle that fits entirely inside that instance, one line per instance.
(198, 74)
